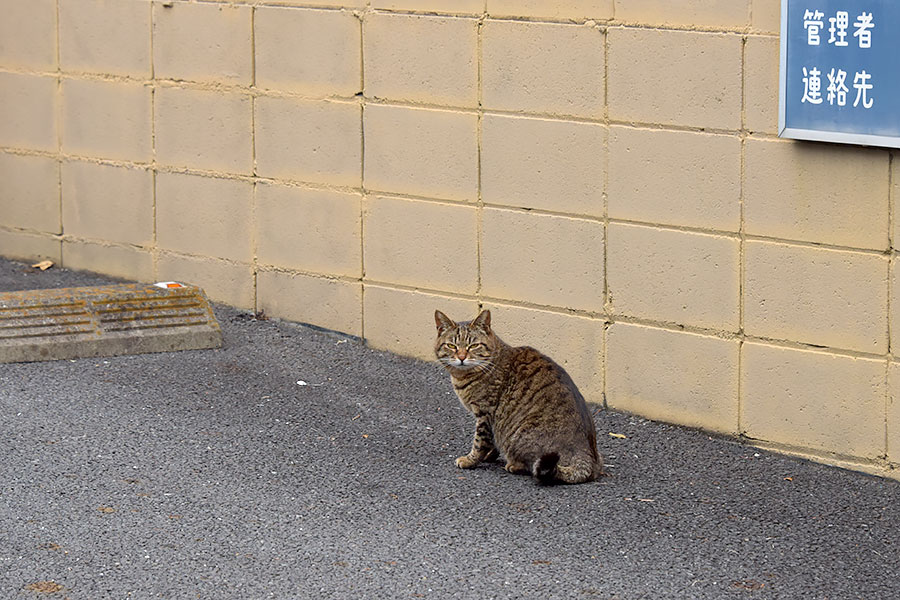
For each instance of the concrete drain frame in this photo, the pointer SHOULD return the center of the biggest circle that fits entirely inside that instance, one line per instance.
(55, 324)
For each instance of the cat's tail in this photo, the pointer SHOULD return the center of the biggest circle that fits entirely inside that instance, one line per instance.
(544, 469)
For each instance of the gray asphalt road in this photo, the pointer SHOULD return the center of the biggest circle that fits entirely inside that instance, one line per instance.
(214, 475)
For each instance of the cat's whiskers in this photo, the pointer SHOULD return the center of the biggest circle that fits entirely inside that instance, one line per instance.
(485, 366)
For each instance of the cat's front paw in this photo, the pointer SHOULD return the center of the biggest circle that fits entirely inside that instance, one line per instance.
(465, 462)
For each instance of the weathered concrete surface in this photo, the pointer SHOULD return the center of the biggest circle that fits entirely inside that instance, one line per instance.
(54, 324)
(213, 474)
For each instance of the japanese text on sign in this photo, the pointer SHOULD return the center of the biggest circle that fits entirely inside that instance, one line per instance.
(836, 90)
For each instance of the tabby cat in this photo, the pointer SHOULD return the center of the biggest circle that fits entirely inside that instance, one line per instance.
(526, 407)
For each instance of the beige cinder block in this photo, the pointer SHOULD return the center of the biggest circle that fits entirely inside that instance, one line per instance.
(572, 341)
(222, 281)
(421, 58)
(802, 191)
(28, 34)
(543, 163)
(307, 51)
(816, 400)
(530, 67)
(106, 119)
(309, 230)
(402, 321)
(765, 15)
(761, 63)
(29, 111)
(203, 129)
(544, 259)
(107, 203)
(29, 192)
(673, 376)
(417, 243)
(670, 276)
(421, 152)
(675, 178)
(203, 215)
(29, 246)
(686, 13)
(572, 9)
(675, 78)
(315, 141)
(202, 42)
(105, 36)
(328, 303)
(119, 261)
(893, 414)
(816, 296)
(448, 6)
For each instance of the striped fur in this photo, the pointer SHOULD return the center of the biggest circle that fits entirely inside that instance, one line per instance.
(526, 407)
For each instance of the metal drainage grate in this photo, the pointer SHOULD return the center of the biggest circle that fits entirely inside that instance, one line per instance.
(105, 321)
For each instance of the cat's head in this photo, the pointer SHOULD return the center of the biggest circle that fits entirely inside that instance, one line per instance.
(466, 345)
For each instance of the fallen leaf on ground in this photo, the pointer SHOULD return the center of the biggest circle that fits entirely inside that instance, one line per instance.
(788, 478)
(44, 587)
(618, 435)
(50, 546)
(750, 584)
(106, 509)
(43, 265)
(541, 562)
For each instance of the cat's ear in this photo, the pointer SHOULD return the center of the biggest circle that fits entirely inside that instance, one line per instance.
(443, 322)
(483, 320)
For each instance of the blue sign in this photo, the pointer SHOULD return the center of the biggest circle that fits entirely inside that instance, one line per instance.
(840, 71)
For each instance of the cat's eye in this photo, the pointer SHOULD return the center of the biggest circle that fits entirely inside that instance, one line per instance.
(450, 346)
(478, 346)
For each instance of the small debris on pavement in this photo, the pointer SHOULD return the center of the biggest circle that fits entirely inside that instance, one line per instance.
(619, 436)
(50, 546)
(44, 587)
(43, 265)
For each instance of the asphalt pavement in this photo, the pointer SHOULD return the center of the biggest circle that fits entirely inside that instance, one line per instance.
(298, 463)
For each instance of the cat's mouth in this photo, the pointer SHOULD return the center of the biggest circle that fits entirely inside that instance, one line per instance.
(462, 364)
(467, 364)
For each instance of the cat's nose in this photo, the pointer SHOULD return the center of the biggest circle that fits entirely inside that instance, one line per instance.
(462, 355)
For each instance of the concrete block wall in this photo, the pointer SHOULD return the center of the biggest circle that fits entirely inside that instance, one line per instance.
(604, 175)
